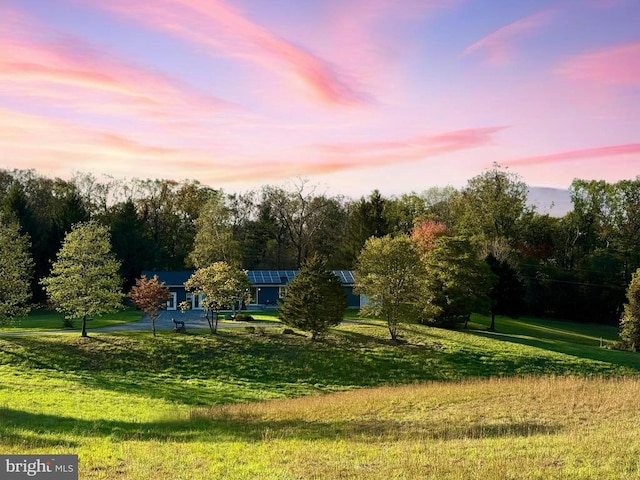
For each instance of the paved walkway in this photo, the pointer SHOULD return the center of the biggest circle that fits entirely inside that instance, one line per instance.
(192, 320)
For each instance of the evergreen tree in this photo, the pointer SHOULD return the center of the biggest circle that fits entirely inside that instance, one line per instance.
(16, 268)
(315, 299)
(131, 241)
(630, 321)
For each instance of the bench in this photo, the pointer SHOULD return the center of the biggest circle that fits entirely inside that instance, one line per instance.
(179, 326)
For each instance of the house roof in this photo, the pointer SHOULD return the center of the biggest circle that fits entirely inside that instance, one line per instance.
(171, 278)
(281, 277)
(176, 278)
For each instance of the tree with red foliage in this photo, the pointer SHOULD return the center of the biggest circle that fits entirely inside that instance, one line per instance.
(425, 233)
(150, 295)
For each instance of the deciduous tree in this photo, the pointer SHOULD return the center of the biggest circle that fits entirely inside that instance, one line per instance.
(170, 210)
(389, 272)
(457, 282)
(214, 240)
(425, 233)
(315, 299)
(150, 295)
(507, 293)
(302, 216)
(222, 285)
(85, 280)
(492, 205)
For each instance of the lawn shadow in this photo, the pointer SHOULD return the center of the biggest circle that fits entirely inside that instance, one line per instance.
(225, 428)
(619, 358)
(238, 367)
(222, 368)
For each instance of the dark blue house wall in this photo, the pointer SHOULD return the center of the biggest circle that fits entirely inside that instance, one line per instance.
(262, 294)
(353, 300)
(266, 295)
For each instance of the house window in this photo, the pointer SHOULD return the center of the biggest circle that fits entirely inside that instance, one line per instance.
(171, 303)
(195, 300)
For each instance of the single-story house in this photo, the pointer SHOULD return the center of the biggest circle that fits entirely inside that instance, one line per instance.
(268, 287)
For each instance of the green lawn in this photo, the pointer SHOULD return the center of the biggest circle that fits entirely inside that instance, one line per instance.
(193, 406)
(51, 320)
(549, 329)
(270, 316)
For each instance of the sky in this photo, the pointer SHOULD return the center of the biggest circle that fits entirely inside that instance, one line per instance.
(351, 95)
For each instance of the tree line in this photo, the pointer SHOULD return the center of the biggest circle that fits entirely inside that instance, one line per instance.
(574, 267)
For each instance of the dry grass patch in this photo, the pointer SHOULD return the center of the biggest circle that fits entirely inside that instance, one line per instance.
(498, 428)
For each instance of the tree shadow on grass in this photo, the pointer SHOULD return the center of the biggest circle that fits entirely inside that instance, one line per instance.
(41, 427)
(235, 367)
(241, 367)
(619, 358)
(351, 339)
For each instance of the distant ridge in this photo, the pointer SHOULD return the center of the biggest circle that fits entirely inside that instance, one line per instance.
(554, 201)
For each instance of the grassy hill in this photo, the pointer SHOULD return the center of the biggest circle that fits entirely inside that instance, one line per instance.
(539, 399)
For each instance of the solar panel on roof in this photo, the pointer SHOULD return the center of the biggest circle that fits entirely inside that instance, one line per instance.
(277, 277)
(346, 276)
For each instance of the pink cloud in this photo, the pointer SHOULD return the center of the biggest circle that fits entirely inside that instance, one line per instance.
(65, 146)
(62, 147)
(572, 155)
(420, 145)
(17, 130)
(330, 158)
(614, 66)
(222, 28)
(498, 46)
(38, 62)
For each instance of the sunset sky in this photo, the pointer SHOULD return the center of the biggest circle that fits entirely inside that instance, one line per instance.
(354, 95)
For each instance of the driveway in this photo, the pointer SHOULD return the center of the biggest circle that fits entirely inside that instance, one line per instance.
(192, 320)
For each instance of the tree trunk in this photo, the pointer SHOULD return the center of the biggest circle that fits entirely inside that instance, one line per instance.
(215, 322)
(393, 330)
(209, 317)
(153, 325)
(492, 327)
(84, 327)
